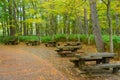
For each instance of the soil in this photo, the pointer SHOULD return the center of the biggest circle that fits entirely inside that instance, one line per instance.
(21, 62)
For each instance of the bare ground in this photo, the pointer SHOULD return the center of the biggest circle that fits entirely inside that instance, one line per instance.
(21, 62)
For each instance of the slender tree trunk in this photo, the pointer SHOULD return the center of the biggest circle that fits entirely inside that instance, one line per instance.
(24, 18)
(117, 24)
(96, 27)
(12, 28)
(86, 22)
(110, 26)
(67, 27)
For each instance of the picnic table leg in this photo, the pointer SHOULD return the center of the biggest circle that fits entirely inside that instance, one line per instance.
(81, 63)
(105, 60)
(115, 70)
(98, 61)
(76, 64)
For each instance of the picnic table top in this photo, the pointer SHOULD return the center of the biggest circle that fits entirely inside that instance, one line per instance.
(72, 43)
(95, 55)
(63, 47)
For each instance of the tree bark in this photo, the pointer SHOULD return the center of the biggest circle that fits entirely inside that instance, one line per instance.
(117, 24)
(108, 3)
(96, 27)
(24, 18)
(12, 28)
(110, 26)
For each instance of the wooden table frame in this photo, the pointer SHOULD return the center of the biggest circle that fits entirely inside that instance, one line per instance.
(97, 57)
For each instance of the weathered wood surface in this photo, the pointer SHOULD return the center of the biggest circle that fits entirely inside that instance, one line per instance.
(115, 67)
(108, 65)
(97, 57)
(104, 54)
(72, 44)
(65, 52)
(11, 42)
(51, 44)
(68, 47)
(33, 43)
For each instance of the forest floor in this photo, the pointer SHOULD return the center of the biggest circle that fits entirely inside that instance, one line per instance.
(21, 62)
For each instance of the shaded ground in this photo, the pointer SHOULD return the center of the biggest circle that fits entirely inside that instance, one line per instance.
(23, 62)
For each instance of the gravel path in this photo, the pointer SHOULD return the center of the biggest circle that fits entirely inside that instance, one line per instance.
(22, 62)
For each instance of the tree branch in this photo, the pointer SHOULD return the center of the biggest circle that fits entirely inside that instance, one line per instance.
(104, 2)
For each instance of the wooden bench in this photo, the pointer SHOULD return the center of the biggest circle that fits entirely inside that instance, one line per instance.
(115, 67)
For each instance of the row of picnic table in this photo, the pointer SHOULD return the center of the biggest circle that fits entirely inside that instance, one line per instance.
(99, 60)
(15, 42)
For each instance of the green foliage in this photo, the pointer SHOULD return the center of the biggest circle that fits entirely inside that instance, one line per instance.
(46, 38)
(7, 38)
(28, 38)
(60, 37)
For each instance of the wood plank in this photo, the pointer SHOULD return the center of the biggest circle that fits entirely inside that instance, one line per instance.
(68, 47)
(105, 54)
(108, 65)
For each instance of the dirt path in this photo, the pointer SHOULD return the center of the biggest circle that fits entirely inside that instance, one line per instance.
(18, 64)
(41, 63)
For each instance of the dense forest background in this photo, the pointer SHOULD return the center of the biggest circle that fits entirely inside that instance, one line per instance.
(61, 20)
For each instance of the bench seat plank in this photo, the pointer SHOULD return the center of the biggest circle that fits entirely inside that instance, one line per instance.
(115, 67)
(108, 65)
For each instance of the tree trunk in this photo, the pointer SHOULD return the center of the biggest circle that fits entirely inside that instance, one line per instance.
(24, 24)
(96, 27)
(12, 28)
(110, 26)
(86, 22)
(117, 24)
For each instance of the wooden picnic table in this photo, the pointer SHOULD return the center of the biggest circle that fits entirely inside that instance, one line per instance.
(33, 43)
(12, 42)
(97, 57)
(101, 59)
(64, 50)
(51, 44)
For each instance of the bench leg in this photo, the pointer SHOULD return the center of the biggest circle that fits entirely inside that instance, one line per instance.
(115, 70)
